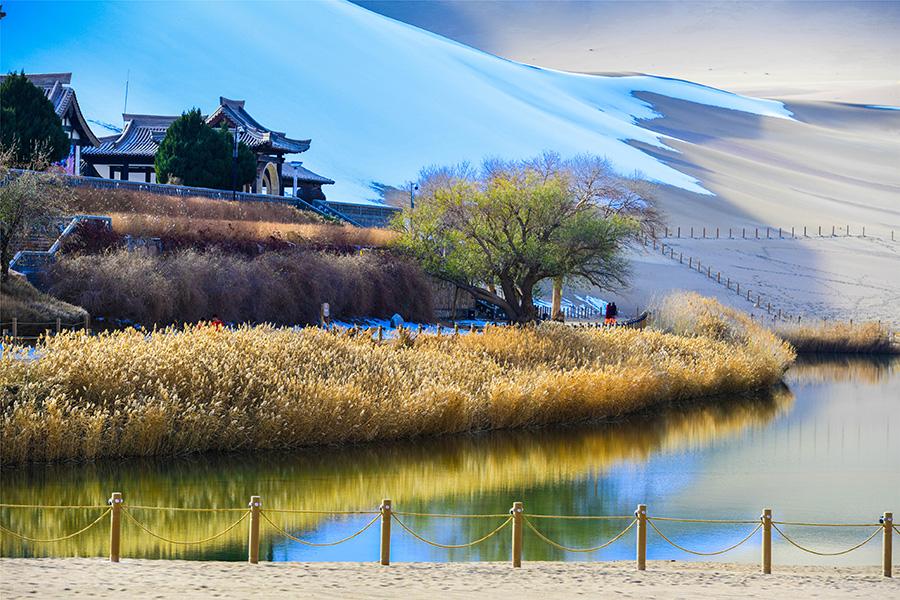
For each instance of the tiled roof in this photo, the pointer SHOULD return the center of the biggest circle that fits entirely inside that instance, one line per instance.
(255, 135)
(143, 133)
(141, 137)
(305, 175)
(62, 97)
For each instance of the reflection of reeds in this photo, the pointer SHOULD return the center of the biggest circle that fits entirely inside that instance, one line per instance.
(354, 478)
(837, 336)
(810, 368)
(198, 389)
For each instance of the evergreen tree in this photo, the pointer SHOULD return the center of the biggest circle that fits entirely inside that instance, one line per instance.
(29, 126)
(195, 154)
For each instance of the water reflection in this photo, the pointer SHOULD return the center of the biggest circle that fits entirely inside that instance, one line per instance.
(816, 451)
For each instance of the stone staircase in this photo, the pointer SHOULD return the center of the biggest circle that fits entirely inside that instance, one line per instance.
(37, 250)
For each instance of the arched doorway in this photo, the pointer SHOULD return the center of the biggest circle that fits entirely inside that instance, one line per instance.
(271, 182)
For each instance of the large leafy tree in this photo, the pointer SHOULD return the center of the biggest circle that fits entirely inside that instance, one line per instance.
(29, 126)
(195, 154)
(499, 231)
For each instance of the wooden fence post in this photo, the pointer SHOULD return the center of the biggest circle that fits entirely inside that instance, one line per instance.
(692, 232)
(115, 526)
(58, 325)
(832, 231)
(253, 551)
(887, 543)
(717, 233)
(516, 511)
(455, 328)
(15, 329)
(704, 233)
(380, 333)
(679, 231)
(641, 516)
(87, 324)
(820, 231)
(439, 330)
(386, 532)
(767, 541)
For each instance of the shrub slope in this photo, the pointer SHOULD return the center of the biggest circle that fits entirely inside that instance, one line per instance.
(275, 287)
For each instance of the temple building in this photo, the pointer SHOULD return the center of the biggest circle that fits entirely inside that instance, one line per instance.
(57, 89)
(130, 155)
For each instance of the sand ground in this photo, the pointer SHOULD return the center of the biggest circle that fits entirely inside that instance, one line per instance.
(837, 278)
(30, 578)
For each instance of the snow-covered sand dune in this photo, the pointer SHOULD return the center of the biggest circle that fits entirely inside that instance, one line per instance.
(379, 98)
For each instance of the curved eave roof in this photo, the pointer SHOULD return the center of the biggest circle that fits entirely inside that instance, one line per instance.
(141, 137)
(305, 175)
(255, 135)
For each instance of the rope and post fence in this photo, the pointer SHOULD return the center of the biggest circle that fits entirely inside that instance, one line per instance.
(517, 518)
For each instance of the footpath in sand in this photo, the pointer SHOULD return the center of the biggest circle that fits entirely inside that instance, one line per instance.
(95, 578)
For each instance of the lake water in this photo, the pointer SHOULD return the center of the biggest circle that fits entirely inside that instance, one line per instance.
(820, 448)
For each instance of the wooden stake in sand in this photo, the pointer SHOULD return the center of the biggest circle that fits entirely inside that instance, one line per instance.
(385, 532)
(887, 543)
(767, 541)
(115, 526)
(253, 541)
(641, 516)
(516, 511)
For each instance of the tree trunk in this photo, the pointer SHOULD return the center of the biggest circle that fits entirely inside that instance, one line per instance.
(453, 306)
(4, 261)
(556, 302)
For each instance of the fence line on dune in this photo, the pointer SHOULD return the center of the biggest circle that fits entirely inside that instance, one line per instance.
(782, 232)
(695, 264)
(516, 518)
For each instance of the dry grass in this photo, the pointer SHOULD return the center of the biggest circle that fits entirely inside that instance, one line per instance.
(196, 230)
(198, 389)
(95, 201)
(204, 221)
(840, 337)
(274, 287)
(20, 300)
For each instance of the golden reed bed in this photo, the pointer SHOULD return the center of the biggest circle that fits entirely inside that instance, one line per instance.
(199, 388)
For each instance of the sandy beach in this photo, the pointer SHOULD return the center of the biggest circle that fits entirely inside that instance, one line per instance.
(29, 578)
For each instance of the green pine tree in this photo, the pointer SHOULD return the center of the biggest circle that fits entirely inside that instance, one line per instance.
(195, 154)
(29, 126)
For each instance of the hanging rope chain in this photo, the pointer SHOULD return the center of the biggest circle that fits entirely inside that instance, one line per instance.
(817, 553)
(568, 549)
(452, 546)
(185, 543)
(689, 551)
(59, 539)
(318, 544)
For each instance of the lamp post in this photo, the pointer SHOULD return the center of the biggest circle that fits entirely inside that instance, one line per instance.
(234, 156)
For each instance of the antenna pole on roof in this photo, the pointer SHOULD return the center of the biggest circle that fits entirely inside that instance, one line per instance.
(127, 77)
